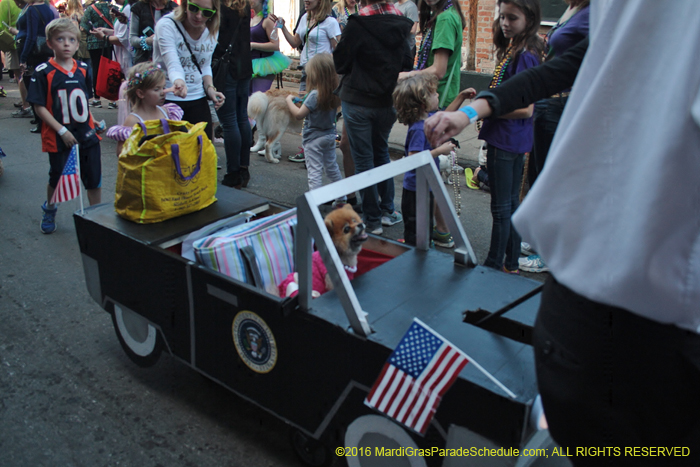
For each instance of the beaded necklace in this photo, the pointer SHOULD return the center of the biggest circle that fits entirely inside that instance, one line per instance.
(427, 42)
(456, 176)
(347, 12)
(498, 74)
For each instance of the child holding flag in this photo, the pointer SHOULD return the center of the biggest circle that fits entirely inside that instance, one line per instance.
(60, 91)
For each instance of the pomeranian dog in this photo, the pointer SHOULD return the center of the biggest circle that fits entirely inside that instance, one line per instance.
(269, 110)
(348, 234)
(446, 170)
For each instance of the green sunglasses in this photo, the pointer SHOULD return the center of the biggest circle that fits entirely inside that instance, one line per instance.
(194, 8)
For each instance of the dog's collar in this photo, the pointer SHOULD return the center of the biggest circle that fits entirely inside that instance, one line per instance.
(352, 269)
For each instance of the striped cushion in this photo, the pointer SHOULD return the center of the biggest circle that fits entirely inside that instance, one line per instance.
(271, 239)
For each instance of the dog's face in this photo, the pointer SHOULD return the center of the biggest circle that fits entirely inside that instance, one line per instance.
(347, 231)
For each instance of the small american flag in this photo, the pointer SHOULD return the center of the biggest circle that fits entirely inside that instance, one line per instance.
(418, 373)
(69, 184)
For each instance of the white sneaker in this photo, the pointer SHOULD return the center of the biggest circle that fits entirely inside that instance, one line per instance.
(532, 263)
(526, 249)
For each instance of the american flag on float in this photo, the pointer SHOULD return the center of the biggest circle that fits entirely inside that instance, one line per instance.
(69, 184)
(418, 373)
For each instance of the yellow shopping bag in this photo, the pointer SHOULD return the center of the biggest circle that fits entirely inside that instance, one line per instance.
(166, 169)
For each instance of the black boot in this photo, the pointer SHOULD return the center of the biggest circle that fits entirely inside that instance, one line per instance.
(245, 176)
(233, 180)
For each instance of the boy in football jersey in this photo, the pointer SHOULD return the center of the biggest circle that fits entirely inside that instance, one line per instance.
(60, 93)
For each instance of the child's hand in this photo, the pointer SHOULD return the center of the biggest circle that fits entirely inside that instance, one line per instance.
(68, 139)
(403, 75)
(468, 93)
(445, 148)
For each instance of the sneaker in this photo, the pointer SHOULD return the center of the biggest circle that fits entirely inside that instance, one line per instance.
(391, 218)
(526, 249)
(442, 239)
(2, 92)
(18, 105)
(375, 229)
(298, 157)
(532, 263)
(23, 113)
(508, 271)
(112, 105)
(48, 222)
(96, 103)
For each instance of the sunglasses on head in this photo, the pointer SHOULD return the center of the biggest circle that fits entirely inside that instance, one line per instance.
(194, 8)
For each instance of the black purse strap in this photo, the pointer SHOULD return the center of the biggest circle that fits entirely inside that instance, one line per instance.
(192, 57)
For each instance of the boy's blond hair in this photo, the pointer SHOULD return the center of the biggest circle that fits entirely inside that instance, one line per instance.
(60, 25)
(411, 97)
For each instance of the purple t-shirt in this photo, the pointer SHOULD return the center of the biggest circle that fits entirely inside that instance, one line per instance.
(415, 142)
(511, 135)
(564, 36)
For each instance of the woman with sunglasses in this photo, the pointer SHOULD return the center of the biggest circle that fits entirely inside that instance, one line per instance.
(185, 42)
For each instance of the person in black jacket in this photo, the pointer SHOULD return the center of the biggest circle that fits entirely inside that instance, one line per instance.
(372, 51)
(233, 115)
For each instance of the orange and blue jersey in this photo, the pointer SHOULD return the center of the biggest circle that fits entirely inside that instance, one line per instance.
(65, 94)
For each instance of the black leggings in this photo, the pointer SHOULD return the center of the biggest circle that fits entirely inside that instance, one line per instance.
(95, 56)
(195, 112)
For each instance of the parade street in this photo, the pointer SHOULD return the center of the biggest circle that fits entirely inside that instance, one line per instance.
(69, 396)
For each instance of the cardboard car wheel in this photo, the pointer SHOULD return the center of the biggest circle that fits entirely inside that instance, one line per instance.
(139, 339)
(370, 432)
(310, 451)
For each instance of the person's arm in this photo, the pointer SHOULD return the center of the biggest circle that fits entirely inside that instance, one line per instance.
(212, 93)
(443, 149)
(522, 89)
(343, 54)
(293, 39)
(167, 36)
(48, 119)
(463, 95)
(333, 31)
(271, 45)
(135, 31)
(102, 33)
(30, 39)
(438, 68)
(297, 112)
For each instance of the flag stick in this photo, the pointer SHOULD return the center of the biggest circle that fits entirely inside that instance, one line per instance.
(473, 362)
(80, 184)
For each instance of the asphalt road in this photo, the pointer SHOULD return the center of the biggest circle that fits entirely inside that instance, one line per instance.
(69, 396)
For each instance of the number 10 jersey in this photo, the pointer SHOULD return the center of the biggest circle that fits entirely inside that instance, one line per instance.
(65, 95)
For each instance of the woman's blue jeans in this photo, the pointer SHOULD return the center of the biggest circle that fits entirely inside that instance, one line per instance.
(233, 117)
(368, 133)
(505, 176)
(547, 115)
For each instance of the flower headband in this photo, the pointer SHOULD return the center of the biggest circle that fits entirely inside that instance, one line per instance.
(138, 78)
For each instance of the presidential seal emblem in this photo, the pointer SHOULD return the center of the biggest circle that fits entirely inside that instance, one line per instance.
(254, 342)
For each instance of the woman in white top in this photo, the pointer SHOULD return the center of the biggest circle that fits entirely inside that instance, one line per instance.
(185, 41)
(317, 31)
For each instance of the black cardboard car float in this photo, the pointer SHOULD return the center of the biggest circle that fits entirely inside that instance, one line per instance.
(312, 362)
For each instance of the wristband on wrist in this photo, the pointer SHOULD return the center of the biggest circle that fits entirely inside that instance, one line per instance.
(471, 113)
(211, 86)
(62, 131)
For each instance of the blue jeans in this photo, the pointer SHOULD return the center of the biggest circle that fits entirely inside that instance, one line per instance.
(547, 115)
(505, 175)
(368, 133)
(233, 117)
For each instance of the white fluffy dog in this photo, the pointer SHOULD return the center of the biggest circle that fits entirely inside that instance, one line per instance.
(269, 110)
(446, 170)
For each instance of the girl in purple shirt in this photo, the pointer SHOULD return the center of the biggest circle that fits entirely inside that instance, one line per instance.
(518, 47)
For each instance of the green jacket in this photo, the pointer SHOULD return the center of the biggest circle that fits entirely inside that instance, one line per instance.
(9, 12)
(97, 21)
